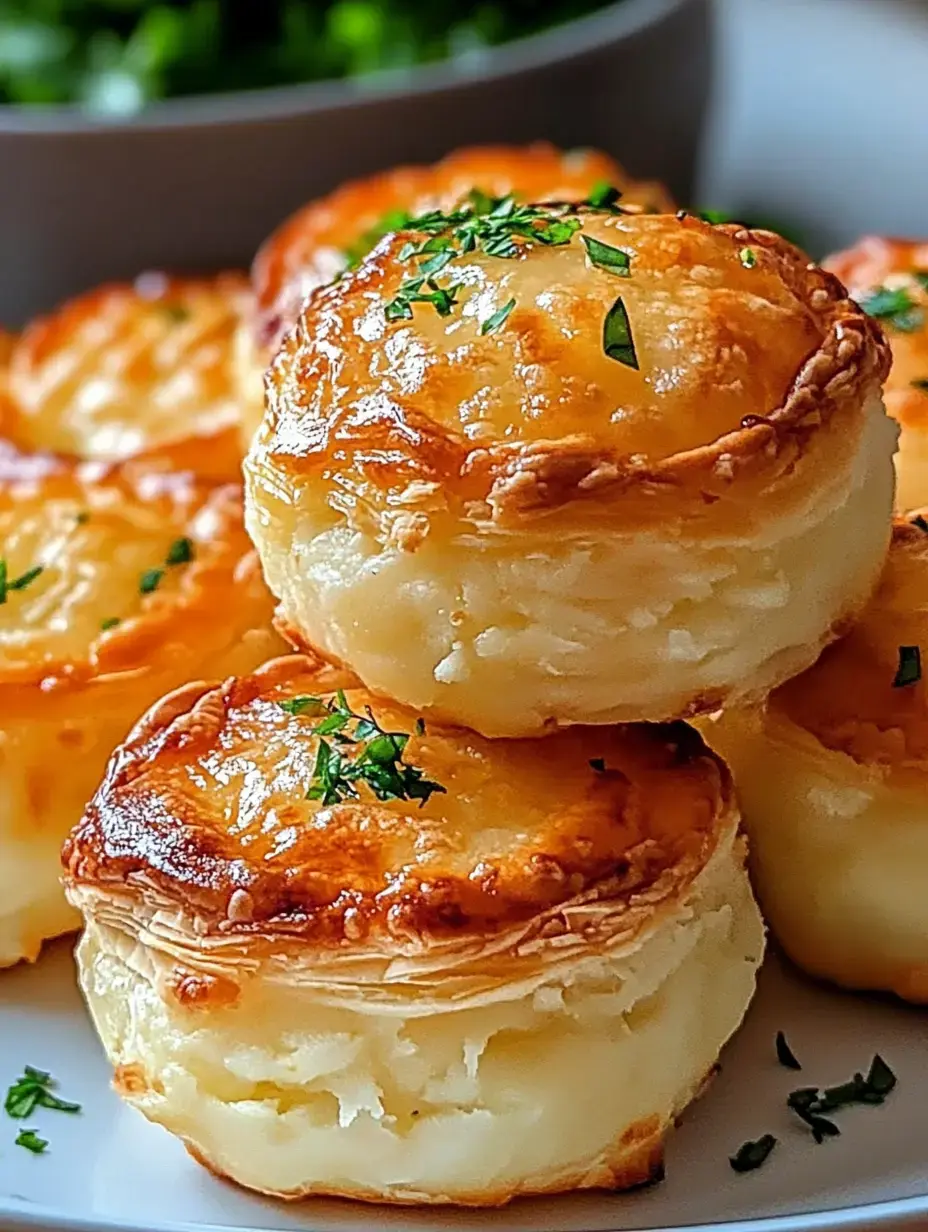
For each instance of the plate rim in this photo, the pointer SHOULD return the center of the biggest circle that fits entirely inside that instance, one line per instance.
(896, 1212)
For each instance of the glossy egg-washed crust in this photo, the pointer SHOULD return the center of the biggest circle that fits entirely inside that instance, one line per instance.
(73, 517)
(525, 826)
(753, 382)
(848, 700)
(876, 262)
(308, 250)
(133, 369)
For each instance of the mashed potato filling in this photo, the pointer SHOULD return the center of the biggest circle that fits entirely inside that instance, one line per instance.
(505, 633)
(377, 1081)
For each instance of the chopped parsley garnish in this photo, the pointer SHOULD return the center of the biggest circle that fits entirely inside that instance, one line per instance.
(442, 299)
(752, 1155)
(785, 1054)
(20, 583)
(805, 1103)
(618, 343)
(606, 257)
(176, 313)
(909, 670)
(110, 623)
(895, 307)
(31, 1091)
(880, 1078)
(498, 318)
(375, 757)
(303, 705)
(393, 220)
(715, 217)
(82, 518)
(809, 1103)
(26, 579)
(180, 552)
(748, 257)
(604, 196)
(497, 226)
(150, 580)
(921, 277)
(31, 1141)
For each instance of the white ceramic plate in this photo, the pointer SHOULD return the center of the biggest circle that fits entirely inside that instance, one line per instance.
(109, 1169)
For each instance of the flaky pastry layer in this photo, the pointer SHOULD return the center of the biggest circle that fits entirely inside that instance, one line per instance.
(515, 989)
(515, 633)
(210, 803)
(513, 528)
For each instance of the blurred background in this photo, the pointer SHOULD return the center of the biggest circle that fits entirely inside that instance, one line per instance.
(138, 133)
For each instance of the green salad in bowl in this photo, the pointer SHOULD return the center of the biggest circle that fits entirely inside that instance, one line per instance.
(114, 56)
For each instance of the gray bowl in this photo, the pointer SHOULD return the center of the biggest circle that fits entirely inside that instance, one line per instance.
(198, 183)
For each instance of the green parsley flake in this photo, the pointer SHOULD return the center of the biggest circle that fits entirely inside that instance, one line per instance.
(376, 759)
(180, 552)
(604, 196)
(752, 1155)
(31, 1141)
(498, 318)
(20, 583)
(909, 670)
(895, 307)
(110, 623)
(808, 1103)
(394, 220)
(618, 343)
(33, 1090)
(176, 313)
(442, 299)
(303, 705)
(606, 257)
(150, 580)
(496, 226)
(748, 257)
(785, 1054)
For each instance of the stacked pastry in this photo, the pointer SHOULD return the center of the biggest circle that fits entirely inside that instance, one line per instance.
(124, 565)
(452, 906)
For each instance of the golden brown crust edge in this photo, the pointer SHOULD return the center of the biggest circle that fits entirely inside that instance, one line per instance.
(225, 563)
(510, 484)
(337, 220)
(637, 1160)
(131, 845)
